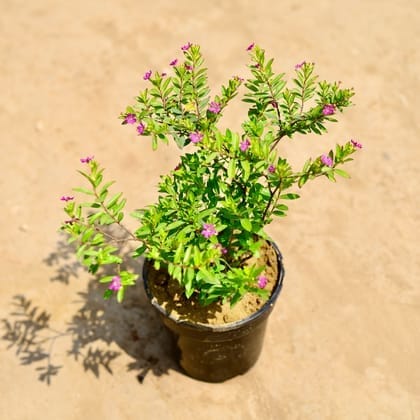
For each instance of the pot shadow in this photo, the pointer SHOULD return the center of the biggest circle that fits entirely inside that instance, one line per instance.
(94, 330)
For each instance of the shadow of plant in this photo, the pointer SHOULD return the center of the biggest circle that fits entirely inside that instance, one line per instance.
(64, 263)
(133, 326)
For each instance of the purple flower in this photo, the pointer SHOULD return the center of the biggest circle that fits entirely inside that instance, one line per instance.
(274, 104)
(238, 78)
(245, 145)
(147, 75)
(214, 107)
(262, 281)
(328, 109)
(271, 169)
(209, 230)
(356, 144)
(140, 128)
(186, 46)
(250, 46)
(66, 198)
(188, 67)
(163, 74)
(129, 119)
(86, 159)
(196, 137)
(173, 62)
(300, 65)
(326, 160)
(115, 284)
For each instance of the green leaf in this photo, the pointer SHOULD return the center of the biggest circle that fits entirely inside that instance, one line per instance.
(187, 254)
(113, 200)
(139, 251)
(93, 217)
(189, 277)
(342, 173)
(177, 273)
(232, 169)
(247, 169)
(106, 279)
(120, 294)
(107, 294)
(83, 190)
(175, 225)
(289, 196)
(197, 256)
(246, 224)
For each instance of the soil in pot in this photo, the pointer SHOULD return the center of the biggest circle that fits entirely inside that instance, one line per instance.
(169, 295)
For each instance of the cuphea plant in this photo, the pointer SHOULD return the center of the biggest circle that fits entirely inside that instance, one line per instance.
(210, 216)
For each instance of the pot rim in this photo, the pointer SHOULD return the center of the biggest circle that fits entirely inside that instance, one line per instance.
(266, 308)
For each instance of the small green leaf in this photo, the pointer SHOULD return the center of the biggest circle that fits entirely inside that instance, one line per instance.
(342, 173)
(246, 224)
(187, 254)
(120, 294)
(139, 251)
(113, 200)
(232, 169)
(83, 190)
(107, 294)
(190, 275)
(247, 169)
(289, 196)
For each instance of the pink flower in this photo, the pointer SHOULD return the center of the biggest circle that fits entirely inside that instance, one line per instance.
(140, 128)
(222, 250)
(188, 67)
(300, 65)
(86, 159)
(196, 137)
(356, 144)
(163, 74)
(209, 230)
(129, 119)
(326, 160)
(147, 75)
(250, 46)
(66, 198)
(186, 46)
(214, 107)
(115, 284)
(271, 169)
(173, 62)
(262, 281)
(245, 145)
(328, 109)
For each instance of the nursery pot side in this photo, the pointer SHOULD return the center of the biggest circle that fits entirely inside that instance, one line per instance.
(215, 353)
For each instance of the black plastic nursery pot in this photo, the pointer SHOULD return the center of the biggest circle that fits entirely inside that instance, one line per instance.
(215, 353)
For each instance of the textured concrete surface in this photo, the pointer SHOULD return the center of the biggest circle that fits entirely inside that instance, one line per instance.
(344, 338)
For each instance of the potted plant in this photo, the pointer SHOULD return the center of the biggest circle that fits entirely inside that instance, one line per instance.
(211, 270)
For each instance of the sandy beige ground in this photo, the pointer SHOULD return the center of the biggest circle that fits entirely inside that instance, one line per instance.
(344, 339)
